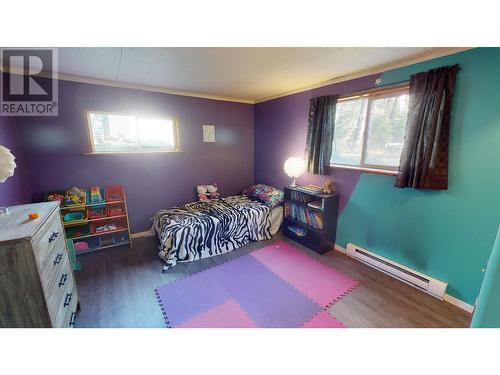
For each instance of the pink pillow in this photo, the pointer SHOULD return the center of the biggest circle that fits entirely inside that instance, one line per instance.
(266, 194)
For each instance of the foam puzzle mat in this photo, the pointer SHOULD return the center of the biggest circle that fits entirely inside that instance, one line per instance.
(275, 286)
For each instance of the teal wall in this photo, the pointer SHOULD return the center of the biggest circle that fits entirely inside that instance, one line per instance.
(445, 234)
(487, 313)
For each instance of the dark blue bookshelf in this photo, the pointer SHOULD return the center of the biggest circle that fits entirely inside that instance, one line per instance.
(321, 239)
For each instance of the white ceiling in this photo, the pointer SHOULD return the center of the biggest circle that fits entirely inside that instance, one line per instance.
(248, 74)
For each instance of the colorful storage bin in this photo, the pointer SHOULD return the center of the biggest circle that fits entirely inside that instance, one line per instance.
(106, 240)
(77, 231)
(108, 225)
(75, 216)
(96, 212)
(114, 193)
(115, 210)
(96, 194)
(120, 237)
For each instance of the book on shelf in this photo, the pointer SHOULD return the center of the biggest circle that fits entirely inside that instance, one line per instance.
(303, 215)
(316, 204)
(311, 189)
(301, 197)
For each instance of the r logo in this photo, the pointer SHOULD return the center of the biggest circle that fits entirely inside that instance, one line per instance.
(30, 86)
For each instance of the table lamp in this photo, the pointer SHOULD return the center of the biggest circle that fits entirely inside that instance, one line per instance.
(7, 166)
(294, 167)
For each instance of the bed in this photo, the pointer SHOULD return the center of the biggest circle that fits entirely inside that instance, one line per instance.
(203, 229)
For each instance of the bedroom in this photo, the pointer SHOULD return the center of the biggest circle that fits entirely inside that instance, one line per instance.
(257, 186)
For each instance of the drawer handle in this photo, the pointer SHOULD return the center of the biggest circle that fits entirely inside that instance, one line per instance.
(53, 236)
(72, 319)
(67, 300)
(64, 278)
(58, 258)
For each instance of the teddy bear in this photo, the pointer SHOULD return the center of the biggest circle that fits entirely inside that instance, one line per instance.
(202, 192)
(329, 187)
(212, 192)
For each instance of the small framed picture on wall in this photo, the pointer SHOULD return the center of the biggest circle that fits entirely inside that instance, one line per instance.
(208, 133)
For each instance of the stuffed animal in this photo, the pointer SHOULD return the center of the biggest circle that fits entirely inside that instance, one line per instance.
(329, 187)
(212, 192)
(202, 192)
(55, 197)
(74, 196)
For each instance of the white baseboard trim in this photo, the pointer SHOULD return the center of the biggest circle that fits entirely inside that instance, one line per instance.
(459, 303)
(447, 298)
(147, 233)
(340, 249)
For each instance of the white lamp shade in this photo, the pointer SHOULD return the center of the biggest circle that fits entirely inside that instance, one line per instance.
(294, 167)
(7, 164)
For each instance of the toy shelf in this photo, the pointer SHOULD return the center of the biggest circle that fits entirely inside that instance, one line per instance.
(81, 222)
(104, 247)
(108, 211)
(77, 207)
(97, 234)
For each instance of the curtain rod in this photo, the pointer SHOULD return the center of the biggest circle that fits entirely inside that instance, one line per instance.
(386, 88)
(380, 89)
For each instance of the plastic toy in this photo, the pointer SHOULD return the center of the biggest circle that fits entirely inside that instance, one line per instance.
(81, 246)
(75, 196)
(55, 197)
(95, 194)
(73, 216)
(106, 228)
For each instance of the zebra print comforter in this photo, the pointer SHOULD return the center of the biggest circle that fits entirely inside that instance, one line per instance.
(203, 229)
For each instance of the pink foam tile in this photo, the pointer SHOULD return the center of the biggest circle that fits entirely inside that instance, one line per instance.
(323, 320)
(227, 315)
(319, 282)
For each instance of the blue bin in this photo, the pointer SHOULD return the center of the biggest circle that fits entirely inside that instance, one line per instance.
(120, 237)
(94, 242)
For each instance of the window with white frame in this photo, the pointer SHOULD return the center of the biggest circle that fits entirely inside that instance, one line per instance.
(370, 129)
(115, 133)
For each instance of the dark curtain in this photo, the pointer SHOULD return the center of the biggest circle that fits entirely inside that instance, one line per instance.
(320, 133)
(424, 159)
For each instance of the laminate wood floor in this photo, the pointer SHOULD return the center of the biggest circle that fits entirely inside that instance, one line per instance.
(116, 289)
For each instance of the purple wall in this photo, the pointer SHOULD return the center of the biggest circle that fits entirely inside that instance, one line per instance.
(280, 132)
(16, 190)
(54, 146)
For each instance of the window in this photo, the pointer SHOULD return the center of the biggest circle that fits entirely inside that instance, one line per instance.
(370, 130)
(112, 133)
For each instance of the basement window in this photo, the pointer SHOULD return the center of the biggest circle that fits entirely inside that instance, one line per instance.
(123, 133)
(370, 129)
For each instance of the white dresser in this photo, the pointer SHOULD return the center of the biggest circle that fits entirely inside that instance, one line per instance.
(37, 285)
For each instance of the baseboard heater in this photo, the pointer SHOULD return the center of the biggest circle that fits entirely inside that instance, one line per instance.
(411, 277)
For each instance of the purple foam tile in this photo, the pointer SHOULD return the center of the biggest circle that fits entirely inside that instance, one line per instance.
(267, 299)
(183, 299)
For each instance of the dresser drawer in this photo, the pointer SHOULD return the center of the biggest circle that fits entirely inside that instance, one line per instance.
(50, 235)
(49, 261)
(66, 315)
(55, 278)
(59, 299)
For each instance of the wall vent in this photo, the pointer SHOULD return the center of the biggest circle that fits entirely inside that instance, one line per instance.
(411, 277)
